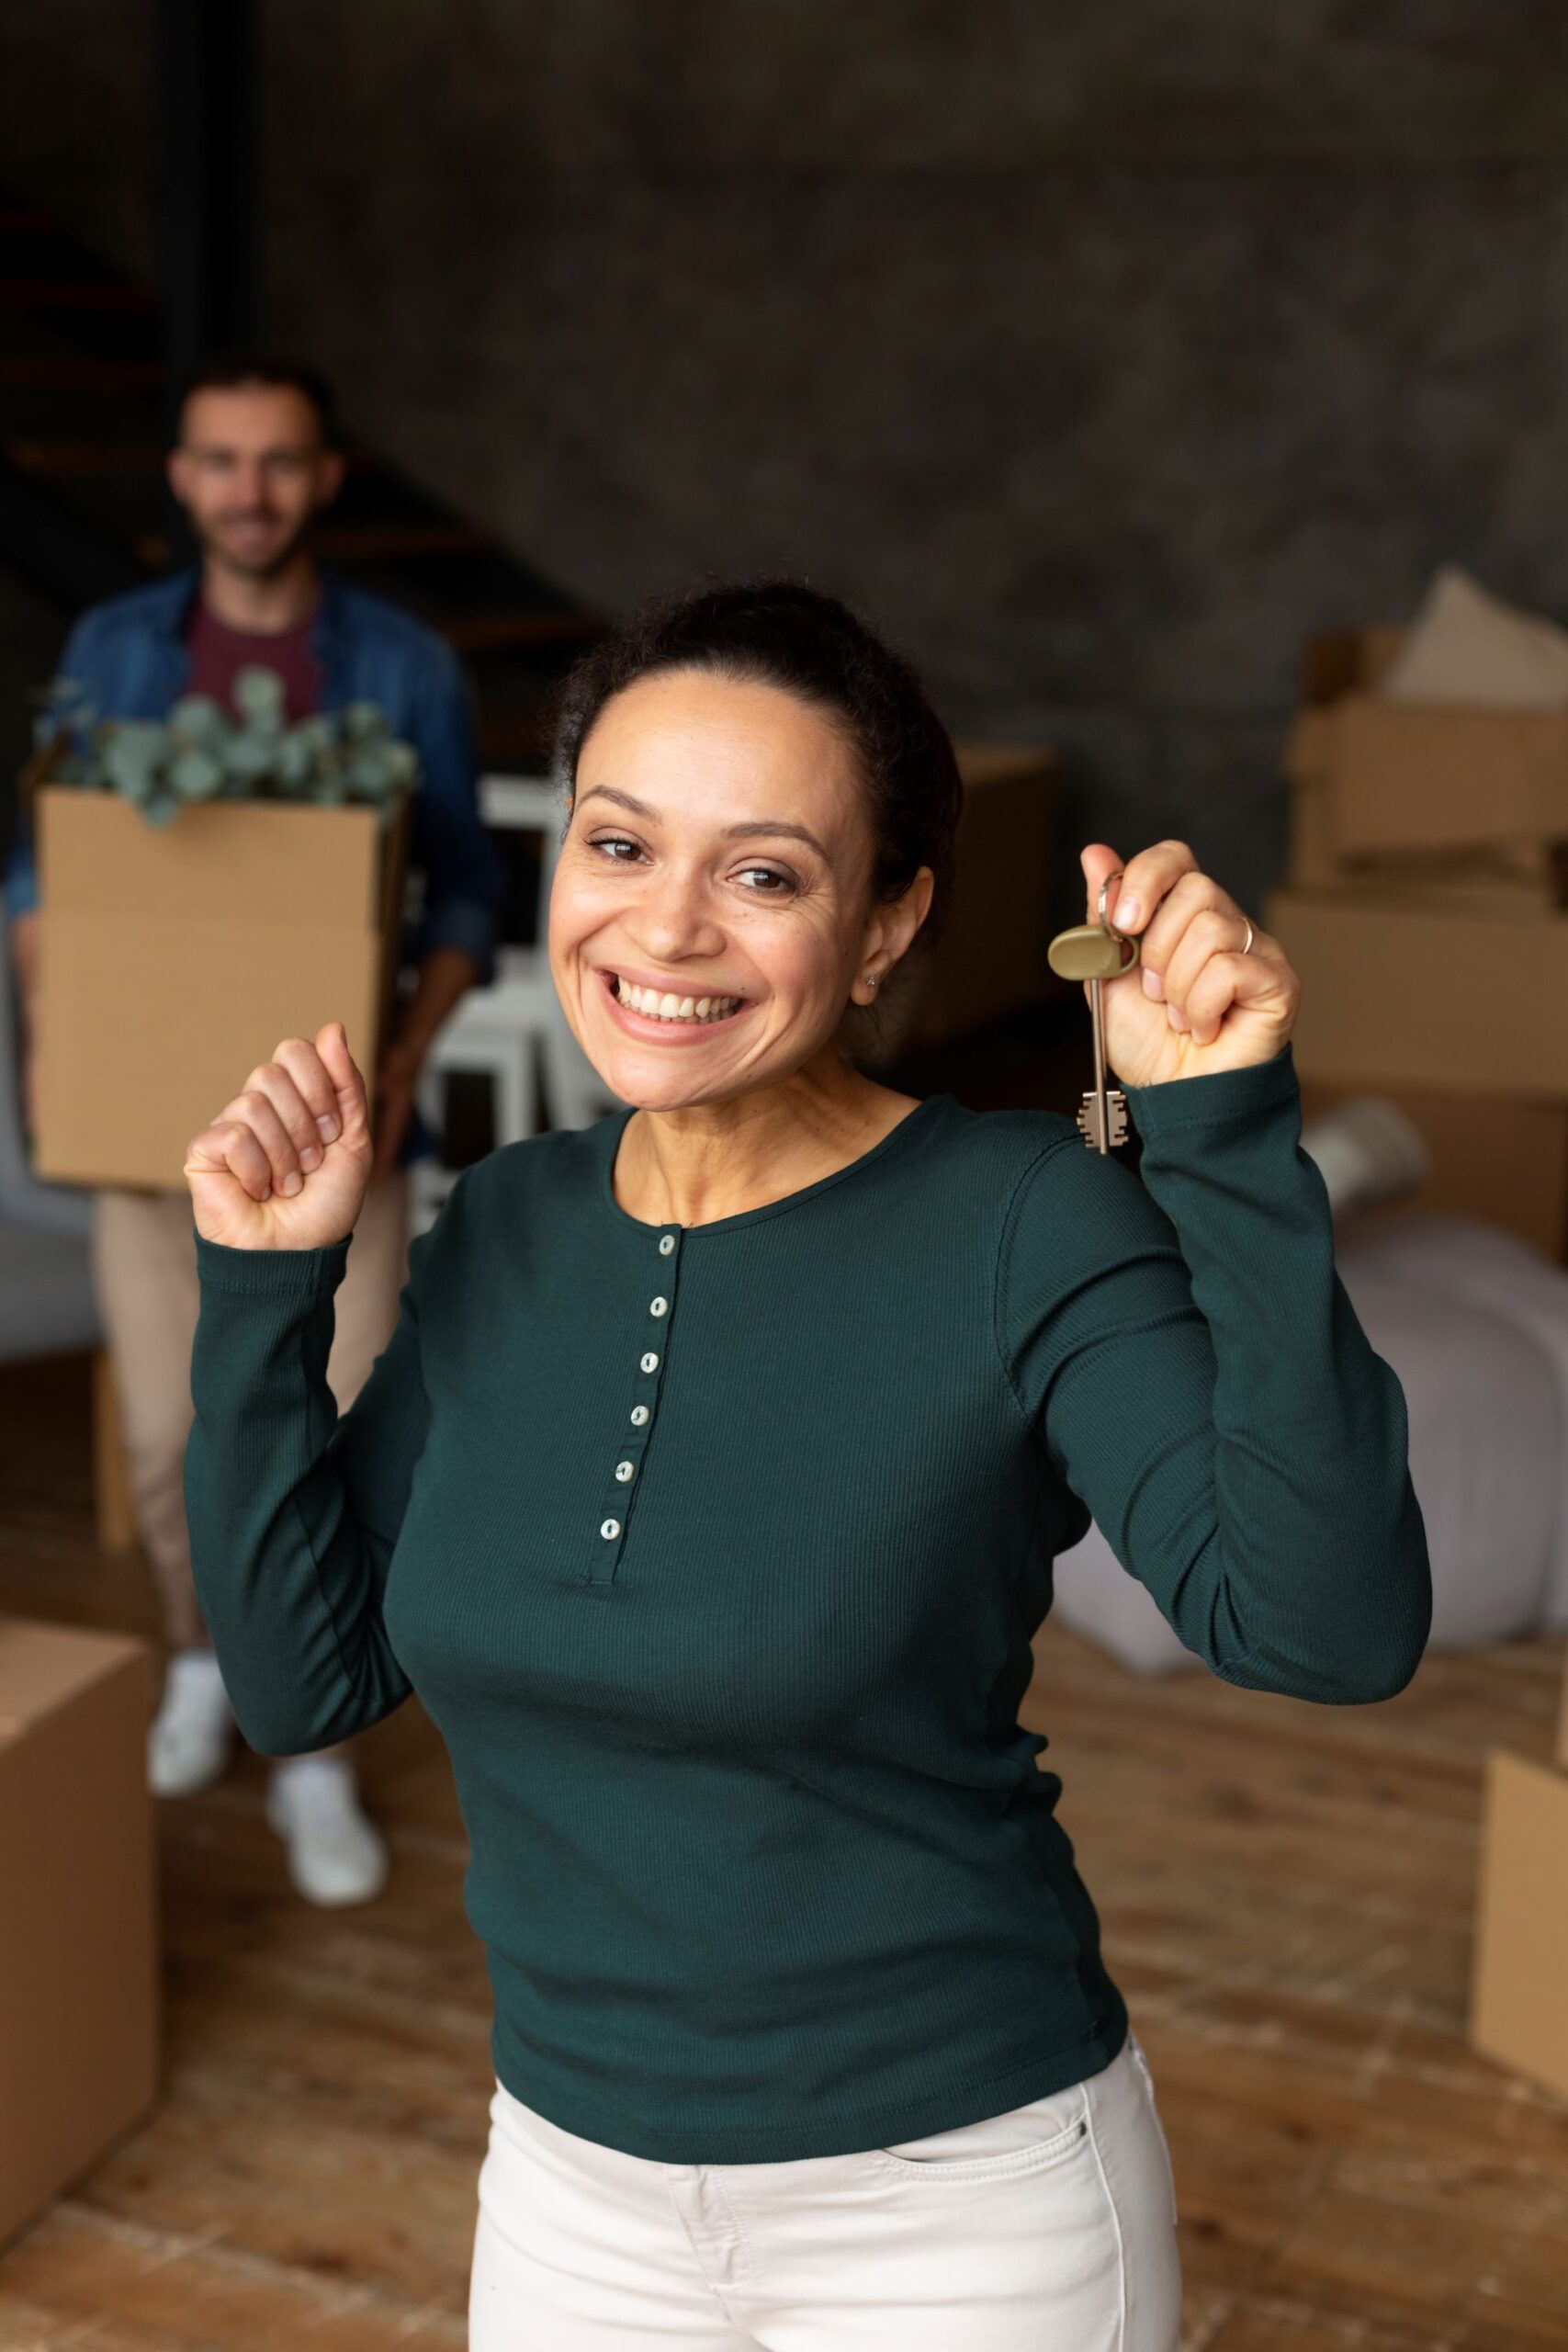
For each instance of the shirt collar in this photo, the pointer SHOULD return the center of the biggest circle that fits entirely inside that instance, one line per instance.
(176, 599)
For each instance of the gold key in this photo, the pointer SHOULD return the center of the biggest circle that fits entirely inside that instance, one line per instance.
(1096, 952)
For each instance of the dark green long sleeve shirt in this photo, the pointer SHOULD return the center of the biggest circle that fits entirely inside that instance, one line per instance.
(715, 1554)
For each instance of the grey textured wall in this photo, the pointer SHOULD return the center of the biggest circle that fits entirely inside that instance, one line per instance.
(1100, 351)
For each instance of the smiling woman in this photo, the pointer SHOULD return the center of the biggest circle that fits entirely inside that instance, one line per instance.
(707, 1495)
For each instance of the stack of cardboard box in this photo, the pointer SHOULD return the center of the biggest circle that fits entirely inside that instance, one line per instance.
(1427, 912)
(80, 2014)
(1520, 1986)
(1426, 908)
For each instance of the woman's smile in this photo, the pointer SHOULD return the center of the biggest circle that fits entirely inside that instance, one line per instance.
(671, 1017)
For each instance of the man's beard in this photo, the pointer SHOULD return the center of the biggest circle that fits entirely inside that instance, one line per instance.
(215, 549)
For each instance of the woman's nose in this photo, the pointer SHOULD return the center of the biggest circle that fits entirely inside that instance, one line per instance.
(677, 913)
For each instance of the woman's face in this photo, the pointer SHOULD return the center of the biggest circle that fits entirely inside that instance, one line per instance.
(718, 854)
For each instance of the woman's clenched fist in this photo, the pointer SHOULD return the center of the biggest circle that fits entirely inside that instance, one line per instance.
(1210, 992)
(286, 1164)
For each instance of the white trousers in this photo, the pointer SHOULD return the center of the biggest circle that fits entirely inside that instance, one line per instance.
(1050, 2228)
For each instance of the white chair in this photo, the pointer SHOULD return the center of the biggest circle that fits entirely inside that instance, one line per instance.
(513, 1031)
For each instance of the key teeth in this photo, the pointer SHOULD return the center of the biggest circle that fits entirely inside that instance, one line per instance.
(1115, 1114)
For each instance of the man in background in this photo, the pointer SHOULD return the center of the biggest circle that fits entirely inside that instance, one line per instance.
(257, 460)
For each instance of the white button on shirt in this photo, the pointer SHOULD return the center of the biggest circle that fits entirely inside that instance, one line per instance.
(609, 1529)
(651, 1362)
(623, 1471)
(639, 1415)
(666, 1243)
(659, 1307)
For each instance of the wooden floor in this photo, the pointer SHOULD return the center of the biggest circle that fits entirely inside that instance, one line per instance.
(1286, 1893)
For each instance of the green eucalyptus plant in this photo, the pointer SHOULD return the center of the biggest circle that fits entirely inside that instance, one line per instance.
(201, 752)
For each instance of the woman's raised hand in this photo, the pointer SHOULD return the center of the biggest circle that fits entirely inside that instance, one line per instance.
(286, 1164)
(1198, 999)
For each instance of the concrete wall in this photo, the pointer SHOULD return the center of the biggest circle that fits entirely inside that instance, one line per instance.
(1100, 353)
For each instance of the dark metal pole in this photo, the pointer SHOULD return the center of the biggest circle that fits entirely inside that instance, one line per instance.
(207, 155)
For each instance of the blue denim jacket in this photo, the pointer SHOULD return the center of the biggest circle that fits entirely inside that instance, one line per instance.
(129, 654)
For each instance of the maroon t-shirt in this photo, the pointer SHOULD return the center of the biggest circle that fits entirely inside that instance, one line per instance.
(218, 652)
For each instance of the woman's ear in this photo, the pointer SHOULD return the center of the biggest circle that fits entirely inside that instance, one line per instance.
(909, 912)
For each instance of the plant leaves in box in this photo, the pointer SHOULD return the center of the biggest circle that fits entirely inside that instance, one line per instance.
(296, 757)
(259, 698)
(363, 722)
(195, 775)
(204, 753)
(200, 721)
(371, 774)
(249, 761)
(132, 752)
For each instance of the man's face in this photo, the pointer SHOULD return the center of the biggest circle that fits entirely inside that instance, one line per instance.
(251, 471)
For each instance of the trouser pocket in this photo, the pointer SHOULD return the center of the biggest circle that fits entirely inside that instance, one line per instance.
(1146, 2078)
(1021, 2140)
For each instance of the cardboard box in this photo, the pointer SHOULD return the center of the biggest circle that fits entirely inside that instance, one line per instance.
(1341, 661)
(80, 1991)
(991, 959)
(1519, 1985)
(1493, 1157)
(1410, 778)
(1411, 995)
(1430, 788)
(1491, 881)
(171, 959)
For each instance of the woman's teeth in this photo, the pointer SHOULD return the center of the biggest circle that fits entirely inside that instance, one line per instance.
(675, 1008)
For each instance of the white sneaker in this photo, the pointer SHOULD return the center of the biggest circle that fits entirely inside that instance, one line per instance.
(335, 1854)
(191, 1739)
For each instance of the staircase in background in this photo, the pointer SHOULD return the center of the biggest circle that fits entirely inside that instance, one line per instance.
(84, 511)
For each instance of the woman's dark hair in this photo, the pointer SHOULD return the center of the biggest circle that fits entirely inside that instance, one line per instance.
(781, 632)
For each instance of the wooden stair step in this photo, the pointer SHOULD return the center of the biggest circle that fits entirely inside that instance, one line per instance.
(490, 632)
(75, 294)
(364, 543)
(68, 372)
(391, 542)
(72, 460)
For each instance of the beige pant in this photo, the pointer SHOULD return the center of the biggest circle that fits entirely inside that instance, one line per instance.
(1046, 2226)
(143, 1259)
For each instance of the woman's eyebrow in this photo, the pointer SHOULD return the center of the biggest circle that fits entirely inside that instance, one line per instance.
(773, 825)
(608, 792)
(751, 825)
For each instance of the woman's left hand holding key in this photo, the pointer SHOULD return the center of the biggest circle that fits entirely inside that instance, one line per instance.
(1194, 1002)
